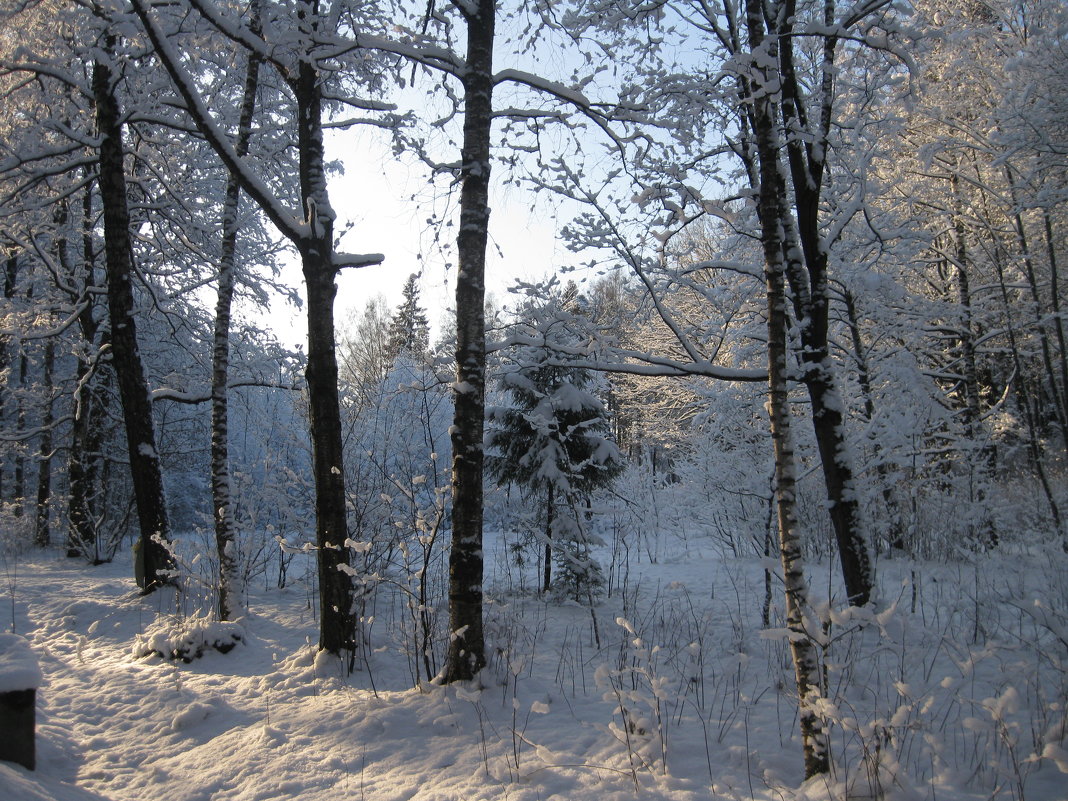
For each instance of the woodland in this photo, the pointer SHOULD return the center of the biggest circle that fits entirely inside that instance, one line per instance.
(761, 495)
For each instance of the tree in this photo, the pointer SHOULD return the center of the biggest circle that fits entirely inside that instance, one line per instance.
(409, 330)
(133, 389)
(554, 441)
(299, 64)
(221, 489)
(772, 212)
(467, 644)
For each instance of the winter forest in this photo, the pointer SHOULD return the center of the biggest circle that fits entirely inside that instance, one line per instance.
(760, 493)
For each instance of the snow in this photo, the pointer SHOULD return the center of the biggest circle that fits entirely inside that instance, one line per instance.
(18, 665)
(685, 698)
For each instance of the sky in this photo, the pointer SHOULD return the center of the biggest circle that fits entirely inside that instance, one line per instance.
(390, 207)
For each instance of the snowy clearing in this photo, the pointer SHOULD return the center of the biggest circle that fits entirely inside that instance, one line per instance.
(955, 690)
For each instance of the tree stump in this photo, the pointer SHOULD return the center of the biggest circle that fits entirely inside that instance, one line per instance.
(20, 676)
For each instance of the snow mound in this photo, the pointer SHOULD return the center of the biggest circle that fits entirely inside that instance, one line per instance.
(187, 639)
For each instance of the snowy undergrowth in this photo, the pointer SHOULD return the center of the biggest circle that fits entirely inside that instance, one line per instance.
(954, 688)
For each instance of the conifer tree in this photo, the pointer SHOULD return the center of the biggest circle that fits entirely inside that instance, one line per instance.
(554, 441)
(409, 330)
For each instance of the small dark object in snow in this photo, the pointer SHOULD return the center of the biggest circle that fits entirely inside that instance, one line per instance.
(19, 677)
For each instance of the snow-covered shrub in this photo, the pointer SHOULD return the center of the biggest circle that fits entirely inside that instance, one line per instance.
(172, 637)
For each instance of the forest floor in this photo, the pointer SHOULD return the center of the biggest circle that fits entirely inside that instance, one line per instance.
(954, 689)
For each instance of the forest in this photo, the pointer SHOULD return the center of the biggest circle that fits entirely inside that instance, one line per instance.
(758, 494)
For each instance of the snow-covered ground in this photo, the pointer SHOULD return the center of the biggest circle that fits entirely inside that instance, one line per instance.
(955, 689)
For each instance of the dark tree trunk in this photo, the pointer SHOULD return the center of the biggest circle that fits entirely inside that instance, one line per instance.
(19, 489)
(11, 271)
(894, 526)
(145, 469)
(547, 569)
(337, 620)
(467, 647)
(842, 497)
(44, 467)
(1055, 304)
(82, 465)
(981, 469)
(230, 591)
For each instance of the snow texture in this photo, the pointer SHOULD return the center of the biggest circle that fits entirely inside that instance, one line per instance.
(18, 665)
(918, 708)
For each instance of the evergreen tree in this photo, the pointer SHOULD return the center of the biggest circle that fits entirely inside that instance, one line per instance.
(409, 330)
(554, 441)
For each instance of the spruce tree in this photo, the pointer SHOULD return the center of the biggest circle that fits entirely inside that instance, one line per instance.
(554, 441)
(409, 331)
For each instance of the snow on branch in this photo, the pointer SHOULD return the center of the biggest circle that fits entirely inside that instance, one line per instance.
(239, 34)
(342, 260)
(632, 362)
(204, 395)
(433, 57)
(282, 219)
(559, 90)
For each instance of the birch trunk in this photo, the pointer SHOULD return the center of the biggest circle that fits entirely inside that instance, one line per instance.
(230, 589)
(772, 213)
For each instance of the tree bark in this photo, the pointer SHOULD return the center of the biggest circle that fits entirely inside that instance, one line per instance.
(806, 261)
(84, 456)
(547, 568)
(44, 459)
(773, 213)
(981, 469)
(466, 654)
(230, 590)
(337, 622)
(145, 469)
(11, 271)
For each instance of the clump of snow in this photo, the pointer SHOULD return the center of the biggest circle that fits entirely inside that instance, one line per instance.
(18, 665)
(174, 638)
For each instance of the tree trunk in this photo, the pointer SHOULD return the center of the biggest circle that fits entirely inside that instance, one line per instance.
(1027, 407)
(133, 388)
(82, 464)
(894, 527)
(44, 466)
(806, 260)
(1057, 398)
(466, 654)
(337, 621)
(547, 568)
(11, 271)
(19, 489)
(981, 469)
(772, 213)
(230, 592)
(1055, 303)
